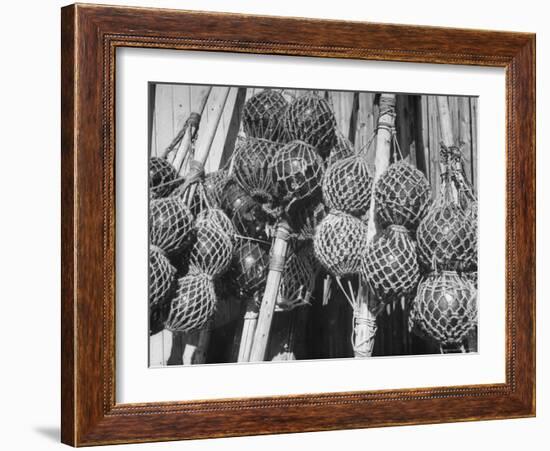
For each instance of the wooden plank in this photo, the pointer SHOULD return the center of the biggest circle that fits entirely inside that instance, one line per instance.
(198, 96)
(423, 134)
(365, 120)
(420, 148)
(213, 161)
(164, 117)
(403, 123)
(181, 105)
(233, 128)
(151, 120)
(353, 121)
(453, 111)
(434, 143)
(474, 140)
(445, 121)
(465, 134)
(210, 122)
(181, 108)
(342, 105)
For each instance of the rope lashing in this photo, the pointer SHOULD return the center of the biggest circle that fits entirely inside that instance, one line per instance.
(277, 263)
(195, 175)
(251, 314)
(359, 348)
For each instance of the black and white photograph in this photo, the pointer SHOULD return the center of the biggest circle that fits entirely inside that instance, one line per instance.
(295, 224)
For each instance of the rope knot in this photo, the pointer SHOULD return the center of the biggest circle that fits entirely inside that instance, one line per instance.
(194, 119)
(398, 228)
(276, 263)
(154, 247)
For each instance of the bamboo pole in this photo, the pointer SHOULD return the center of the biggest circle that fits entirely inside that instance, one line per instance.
(250, 322)
(216, 100)
(216, 103)
(185, 144)
(446, 132)
(273, 281)
(234, 127)
(365, 317)
(445, 123)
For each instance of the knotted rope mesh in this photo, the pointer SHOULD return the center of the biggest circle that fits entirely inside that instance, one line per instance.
(445, 308)
(402, 195)
(215, 217)
(310, 119)
(161, 176)
(263, 115)
(250, 267)
(471, 276)
(342, 149)
(297, 282)
(211, 251)
(339, 244)
(207, 193)
(447, 239)
(214, 184)
(161, 276)
(347, 186)
(468, 201)
(471, 211)
(251, 167)
(390, 265)
(297, 172)
(170, 222)
(194, 303)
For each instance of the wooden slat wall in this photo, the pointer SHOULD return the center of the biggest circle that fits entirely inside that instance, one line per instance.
(321, 331)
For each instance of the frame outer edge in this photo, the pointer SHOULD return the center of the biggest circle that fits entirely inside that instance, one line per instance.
(68, 225)
(525, 71)
(87, 419)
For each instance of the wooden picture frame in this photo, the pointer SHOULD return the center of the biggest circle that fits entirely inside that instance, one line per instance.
(90, 36)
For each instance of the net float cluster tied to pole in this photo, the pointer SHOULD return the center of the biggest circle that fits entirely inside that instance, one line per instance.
(401, 197)
(445, 307)
(296, 170)
(199, 250)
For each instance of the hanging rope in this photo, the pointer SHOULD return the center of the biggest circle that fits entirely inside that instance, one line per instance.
(192, 122)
